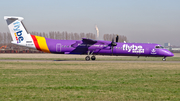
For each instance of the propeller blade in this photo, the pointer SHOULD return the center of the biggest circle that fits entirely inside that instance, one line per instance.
(112, 50)
(112, 40)
(117, 38)
(112, 45)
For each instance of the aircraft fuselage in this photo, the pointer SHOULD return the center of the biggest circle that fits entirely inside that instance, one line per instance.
(21, 37)
(103, 48)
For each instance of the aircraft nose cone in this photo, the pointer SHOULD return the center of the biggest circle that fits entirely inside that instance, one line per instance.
(171, 54)
(168, 53)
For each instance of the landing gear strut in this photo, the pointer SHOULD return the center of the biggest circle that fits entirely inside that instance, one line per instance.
(87, 58)
(164, 59)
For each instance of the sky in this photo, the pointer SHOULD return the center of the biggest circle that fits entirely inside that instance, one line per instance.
(153, 21)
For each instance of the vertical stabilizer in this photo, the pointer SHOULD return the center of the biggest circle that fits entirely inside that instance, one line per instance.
(18, 31)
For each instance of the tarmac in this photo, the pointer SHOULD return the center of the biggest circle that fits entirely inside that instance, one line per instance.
(55, 58)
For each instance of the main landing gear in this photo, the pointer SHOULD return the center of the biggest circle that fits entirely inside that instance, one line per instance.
(87, 58)
(164, 59)
(93, 57)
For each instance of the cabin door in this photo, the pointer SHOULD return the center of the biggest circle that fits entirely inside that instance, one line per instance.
(58, 47)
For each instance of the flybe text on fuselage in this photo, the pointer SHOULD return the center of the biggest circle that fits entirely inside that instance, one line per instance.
(18, 31)
(133, 48)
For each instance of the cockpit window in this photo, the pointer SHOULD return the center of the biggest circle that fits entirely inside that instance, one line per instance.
(160, 47)
(157, 46)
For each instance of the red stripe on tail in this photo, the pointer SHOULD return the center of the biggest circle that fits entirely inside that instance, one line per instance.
(36, 42)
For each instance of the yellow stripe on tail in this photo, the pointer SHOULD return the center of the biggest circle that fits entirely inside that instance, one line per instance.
(42, 44)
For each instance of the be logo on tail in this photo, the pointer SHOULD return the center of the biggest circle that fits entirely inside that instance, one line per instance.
(18, 31)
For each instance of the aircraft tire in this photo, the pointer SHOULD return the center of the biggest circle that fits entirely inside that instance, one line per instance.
(93, 58)
(87, 58)
(164, 59)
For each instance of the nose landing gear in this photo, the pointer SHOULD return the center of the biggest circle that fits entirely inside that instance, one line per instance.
(164, 59)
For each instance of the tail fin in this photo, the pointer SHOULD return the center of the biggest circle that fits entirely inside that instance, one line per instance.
(18, 31)
(21, 37)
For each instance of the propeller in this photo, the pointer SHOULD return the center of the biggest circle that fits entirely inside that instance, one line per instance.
(114, 43)
(117, 38)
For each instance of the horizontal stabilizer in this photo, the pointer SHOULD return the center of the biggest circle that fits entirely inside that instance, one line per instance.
(13, 18)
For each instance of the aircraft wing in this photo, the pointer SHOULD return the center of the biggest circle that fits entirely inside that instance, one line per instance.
(88, 41)
(91, 41)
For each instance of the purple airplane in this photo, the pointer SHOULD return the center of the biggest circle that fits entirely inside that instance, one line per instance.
(90, 47)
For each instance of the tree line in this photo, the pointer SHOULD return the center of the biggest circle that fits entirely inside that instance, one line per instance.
(5, 38)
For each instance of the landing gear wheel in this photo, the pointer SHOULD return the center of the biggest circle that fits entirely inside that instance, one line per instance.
(93, 58)
(87, 58)
(164, 59)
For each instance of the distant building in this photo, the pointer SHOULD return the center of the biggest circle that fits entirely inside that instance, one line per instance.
(167, 44)
(171, 48)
